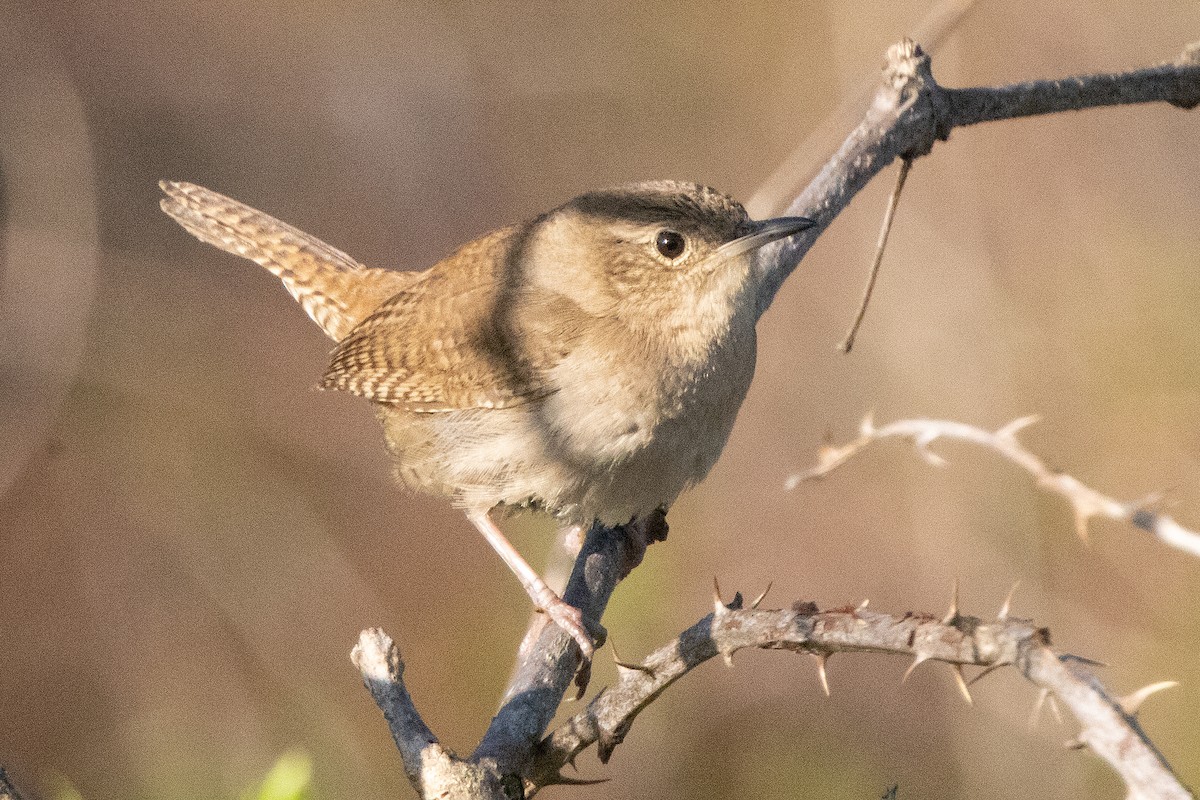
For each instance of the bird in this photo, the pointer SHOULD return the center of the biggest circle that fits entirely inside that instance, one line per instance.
(588, 363)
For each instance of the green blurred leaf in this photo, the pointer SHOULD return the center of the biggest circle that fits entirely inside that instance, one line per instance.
(288, 779)
(63, 789)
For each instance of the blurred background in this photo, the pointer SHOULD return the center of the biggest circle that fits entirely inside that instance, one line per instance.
(191, 537)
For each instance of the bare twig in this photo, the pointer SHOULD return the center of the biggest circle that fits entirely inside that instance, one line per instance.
(1086, 502)
(1110, 729)
(889, 216)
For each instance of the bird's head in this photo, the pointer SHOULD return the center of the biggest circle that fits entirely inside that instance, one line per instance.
(662, 253)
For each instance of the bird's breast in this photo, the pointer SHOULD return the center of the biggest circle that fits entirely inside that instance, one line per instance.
(645, 424)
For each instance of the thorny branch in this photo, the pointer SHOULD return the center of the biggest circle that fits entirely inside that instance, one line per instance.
(909, 114)
(1108, 724)
(1086, 502)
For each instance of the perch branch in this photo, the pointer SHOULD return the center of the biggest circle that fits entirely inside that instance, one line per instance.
(542, 678)
(911, 112)
(1108, 725)
(545, 670)
(1086, 502)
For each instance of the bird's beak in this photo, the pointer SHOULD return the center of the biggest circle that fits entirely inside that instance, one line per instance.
(764, 232)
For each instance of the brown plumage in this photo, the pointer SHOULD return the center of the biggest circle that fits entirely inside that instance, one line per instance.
(590, 362)
(335, 290)
(428, 348)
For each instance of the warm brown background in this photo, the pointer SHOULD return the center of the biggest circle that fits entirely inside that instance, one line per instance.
(190, 537)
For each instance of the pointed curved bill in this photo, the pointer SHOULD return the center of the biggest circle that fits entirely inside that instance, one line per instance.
(764, 232)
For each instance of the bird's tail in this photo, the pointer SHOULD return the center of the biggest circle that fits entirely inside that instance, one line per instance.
(335, 290)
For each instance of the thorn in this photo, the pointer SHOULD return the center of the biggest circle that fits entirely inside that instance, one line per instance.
(988, 671)
(1007, 606)
(616, 656)
(962, 684)
(621, 664)
(822, 660)
(563, 780)
(922, 443)
(1132, 703)
(866, 602)
(1091, 662)
(1081, 524)
(720, 607)
(1075, 744)
(867, 426)
(952, 614)
(1011, 430)
(759, 599)
(1036, 714)
(635, 667)
(918, 661)
(1058, 717)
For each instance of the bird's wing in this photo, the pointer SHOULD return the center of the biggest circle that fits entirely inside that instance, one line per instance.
(336, 291)
(449, 341)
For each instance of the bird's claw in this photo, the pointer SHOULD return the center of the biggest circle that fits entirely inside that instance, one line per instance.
(570, 619)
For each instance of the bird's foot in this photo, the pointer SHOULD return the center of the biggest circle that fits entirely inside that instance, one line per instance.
(570, 619)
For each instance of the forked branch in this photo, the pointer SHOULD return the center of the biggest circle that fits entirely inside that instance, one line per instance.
(1108, 724)
(910, 113)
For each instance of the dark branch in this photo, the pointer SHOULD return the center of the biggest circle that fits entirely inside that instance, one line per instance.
(545, 670)
(542, 678)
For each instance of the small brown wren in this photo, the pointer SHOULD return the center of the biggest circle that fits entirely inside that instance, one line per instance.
(590, 362)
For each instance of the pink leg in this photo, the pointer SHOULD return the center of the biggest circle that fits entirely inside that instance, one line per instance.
(567, 617)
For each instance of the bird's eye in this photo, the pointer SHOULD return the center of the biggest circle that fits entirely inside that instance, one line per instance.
(670, 244)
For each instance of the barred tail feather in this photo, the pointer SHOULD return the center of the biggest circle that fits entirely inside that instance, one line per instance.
(335, 290)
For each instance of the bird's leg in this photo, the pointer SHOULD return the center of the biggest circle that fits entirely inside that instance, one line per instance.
(567, 545)
(567, 617)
